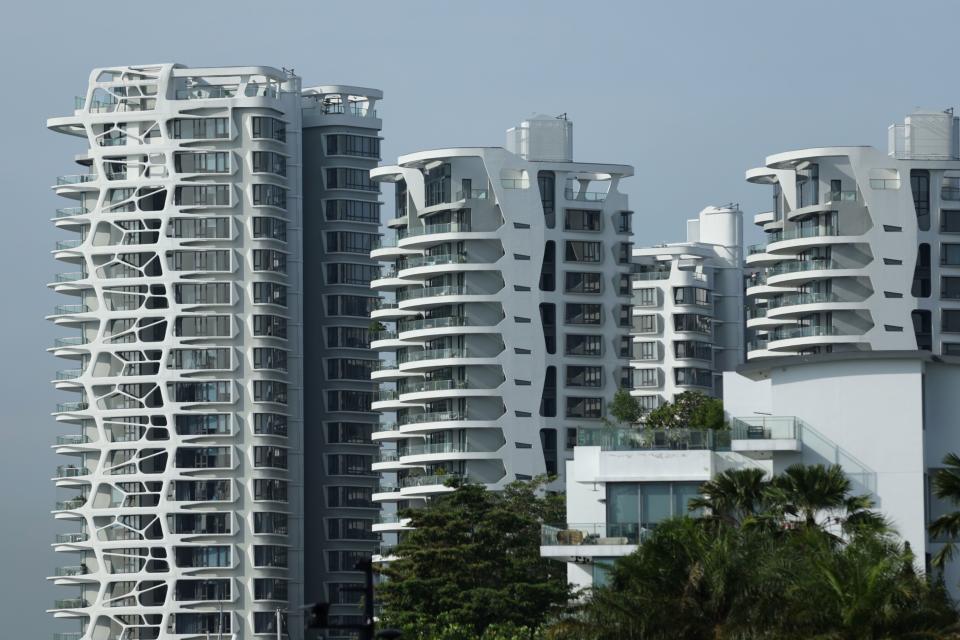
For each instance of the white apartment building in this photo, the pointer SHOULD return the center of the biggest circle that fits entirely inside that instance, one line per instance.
(183, 487)
(509, 322)
(855, 308)
(688, 309)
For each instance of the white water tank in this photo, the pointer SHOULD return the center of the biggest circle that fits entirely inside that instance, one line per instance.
(542, 138)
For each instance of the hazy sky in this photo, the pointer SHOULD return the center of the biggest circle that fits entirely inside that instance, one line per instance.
(691, 94)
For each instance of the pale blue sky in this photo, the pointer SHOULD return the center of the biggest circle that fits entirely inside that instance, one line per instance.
(690, 93)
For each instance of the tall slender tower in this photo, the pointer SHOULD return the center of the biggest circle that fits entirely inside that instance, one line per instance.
(182, 483)
(509, 324)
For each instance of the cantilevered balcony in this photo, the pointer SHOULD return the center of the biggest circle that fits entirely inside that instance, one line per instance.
(570, 541)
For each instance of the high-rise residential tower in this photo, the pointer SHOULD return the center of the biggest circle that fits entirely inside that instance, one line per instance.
(688, 309)
(182, 501)
(509, 323)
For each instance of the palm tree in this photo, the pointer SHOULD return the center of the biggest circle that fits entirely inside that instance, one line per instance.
(733, 496)
(946, 486)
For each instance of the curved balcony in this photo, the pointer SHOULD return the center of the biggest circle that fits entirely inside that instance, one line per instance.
(69, 505)
(441, 295)
(387, 400)
(431, 390)
(420, 454)
(757, 348)
(390, 280)
(790, 271)
(387, 250)
(411, 424)
(792, 304)
(386, 341)
(423, 328)
(64, 342)
(70, 212)
(798, 338)
(65, 471)
(69, 310)
(440, 233)
(70, 603)
(387, 492)
(390, 522)
(71, 407)
(428, 485)
(428, 266)
(387, 370)
(386, 460)
(389, 310)
(70, 538)
(386, 432)
(434, 358)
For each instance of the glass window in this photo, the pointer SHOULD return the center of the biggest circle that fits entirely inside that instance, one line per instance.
(646, 297)
(950, 220)
(582, 376)
(353, 211)
(950, 321)
(583, 282)
(950, 287)
(656, 503)
(581, 251)
(581, 220)
(583, 345)
(950, 254)
(576, 313)
(623, 503)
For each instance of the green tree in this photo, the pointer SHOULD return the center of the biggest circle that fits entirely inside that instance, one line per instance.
(690, 409)
(733, 497)
(473, 559)
(624, 408)
(946, 486)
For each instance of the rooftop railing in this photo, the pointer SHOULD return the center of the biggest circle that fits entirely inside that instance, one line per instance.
(765, 428)
(592, 533)
(207, 92)
(621, 439)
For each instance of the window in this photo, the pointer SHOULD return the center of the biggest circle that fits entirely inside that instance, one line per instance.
(348, 337)
(353, 211)
(268, 555)
(352, 497)
(214, 228)
(202, 458)
(202, 326)
(577, 313)
(351, 145)
(436, 185)
(692, 322)
(198, 523)
(270, 293)
(693, 377)
(950, 220)
(349, 369)
(581, 220)
(349, 432)
(950, 287)
(202, 424)
(950, 254)
(354, 306)
(648, 297)
(581, 251)
(348, 178)
(350, 529)
(646, 351)
(269, 358)
(270, 424)
(210, 162)
(645, 323)
(269, 128)
(351, 242)
(269, 195)
(210, 195)
(199, 359)
(643, 505)
(625, 222)
(270, 589)
(693, 349)
(270, 457)
(206, 293)
(270, 326)
(583, 345)
(269, 228)
(582, 376)
(213, 260)
(265, 622)
(581, 282)
(269, 162)
(624, 315)
(920, 185)
(547, 184)
(589, 408)
(354, 274)
(950, 321)
(346, 560)
(269, 260)
(692, 295)
(270, 522)
(951, 348)
(191, 557)
(347, 400)
(270, 391)
(200, 491)
(349, 465)
(270, 490)
(199, 128)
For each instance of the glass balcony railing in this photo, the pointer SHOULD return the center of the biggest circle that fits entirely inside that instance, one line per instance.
(515, 183)
(431, 323)
(384, 365)
(384, 243)
(384, 304)
(431, 480)
(796, 266)
(72, 243)
(651, 275)
(72, 439)
(756, 248)
(66, 309)
(432, 229)
(382, 335)
(429, 292)
(472, 194)
(66, 212)
(386, 455)
(71, 471)
(68, 635)
(756, 312)
(442, 447)
(387, 427)
(787, 333)
(76, 178)
(69, 341)
(792, 299)
(435, 385)
(70, 538)
(70, 505)
(757, 344)
(207, 92)
(66, 572)
(840, 196)
(432, 416)
(432, 354)
(387, 487)
(593, 533)
(619, 439)
(70, 276)
(69, 407)
(69, 374)
(386, 394)
(389, 518)
(70, 603)
(804, 232)
(765, 428)
(589, 196)
(434, 260)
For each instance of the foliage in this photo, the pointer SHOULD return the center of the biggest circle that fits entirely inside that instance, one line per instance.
(946, 485)
(624, 408)
(768, 561)
(690, 409)
(472, 561)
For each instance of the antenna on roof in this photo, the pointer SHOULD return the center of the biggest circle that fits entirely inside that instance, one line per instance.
(289, 71)
(562, 116)
(949, 111)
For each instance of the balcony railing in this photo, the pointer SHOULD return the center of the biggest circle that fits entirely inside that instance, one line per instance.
(432, 229)
(432, 416)
(435, 385)
(207, 92)
(839, 196)
(796, 266)
(804, 232)
(387, 427)
(386, 455)
(792, 299)
(757, 344)
(756, 248)
(589, 196)
(72, 243)
(434, 260)
(432, 323)
(386, 394)
(384, 243)
(66, 572)
(70, 603)
(593, 533)
(69, 505)
(427, 481)
(382, 335)
(651, 275)
(515, 183)
(384, 365)
(69, 374)
(72, 439)
(428, 292)
(66, 212)
(69, 341)
(765, 428)
(76, 178)
(786, 333)
(65, 407)
(66, 309)
(70, 471)
(443, 447)
(70, 538)
(389, 518)
(70, 276)
(432, 354)
(68, 635)
(384, 304)
(473, 194)
(618, 439)
(756, 312)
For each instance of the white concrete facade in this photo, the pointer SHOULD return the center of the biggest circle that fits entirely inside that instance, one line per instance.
(183, 489)
(512, 304)
(688, 309)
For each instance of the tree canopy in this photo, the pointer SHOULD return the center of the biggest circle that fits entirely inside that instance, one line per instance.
(689, 410)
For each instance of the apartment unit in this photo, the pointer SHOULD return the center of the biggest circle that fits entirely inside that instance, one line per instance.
(687, 322)
(505, 313)
(182, 488)
(341, 207)
(855, 308)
